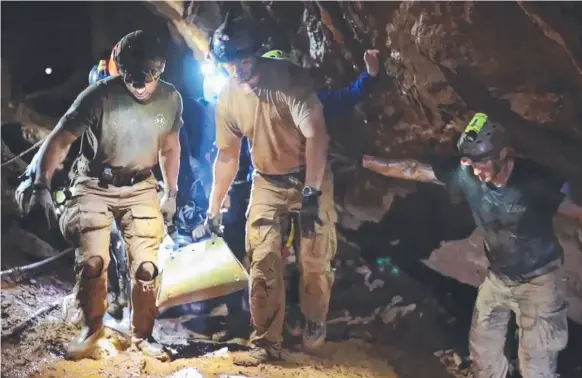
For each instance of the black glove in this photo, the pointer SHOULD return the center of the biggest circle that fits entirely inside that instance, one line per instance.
(214, 225)
(309, 214)
(41, 206)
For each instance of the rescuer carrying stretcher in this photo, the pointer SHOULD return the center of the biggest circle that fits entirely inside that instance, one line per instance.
(128, 123)
(273, 104)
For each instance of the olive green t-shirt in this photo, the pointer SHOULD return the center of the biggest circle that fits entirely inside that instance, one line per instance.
(124, 133)
(268, 116)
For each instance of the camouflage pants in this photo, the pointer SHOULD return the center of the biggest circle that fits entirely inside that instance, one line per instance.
(541, 316)
(86, 222)
(268, 204)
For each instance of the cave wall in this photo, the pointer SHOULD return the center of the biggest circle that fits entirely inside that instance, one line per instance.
(442, 61)
(521, 62)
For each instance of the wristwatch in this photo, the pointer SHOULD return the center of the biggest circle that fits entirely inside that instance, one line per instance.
(309, 191)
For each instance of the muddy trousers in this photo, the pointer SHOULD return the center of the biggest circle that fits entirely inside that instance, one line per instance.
(269, 202)
(540, 311)
(87, 223)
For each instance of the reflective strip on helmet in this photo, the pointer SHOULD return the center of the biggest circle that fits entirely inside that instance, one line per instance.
(479, 120)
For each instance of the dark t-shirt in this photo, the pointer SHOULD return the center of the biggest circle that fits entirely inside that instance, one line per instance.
(123, 133)
(516, 219)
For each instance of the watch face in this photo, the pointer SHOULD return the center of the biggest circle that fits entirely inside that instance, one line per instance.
(307, 191)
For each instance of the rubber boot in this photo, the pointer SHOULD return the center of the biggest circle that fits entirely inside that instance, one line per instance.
(143, 315)
(86, 344)
(92, 299)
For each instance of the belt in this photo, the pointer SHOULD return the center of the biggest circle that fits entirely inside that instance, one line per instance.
(295, 178)
(524, 278)
(108, 176)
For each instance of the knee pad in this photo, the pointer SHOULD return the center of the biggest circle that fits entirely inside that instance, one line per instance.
(93, 267)
(146, 271)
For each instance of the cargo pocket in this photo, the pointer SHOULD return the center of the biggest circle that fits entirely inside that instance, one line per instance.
(147, 222)
(543, 326)
(93, 216)
(78, 218)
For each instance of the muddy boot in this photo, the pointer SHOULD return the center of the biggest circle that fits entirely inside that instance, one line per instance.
(150, 347)
(86, 344)
(259, 355)
(314, 335)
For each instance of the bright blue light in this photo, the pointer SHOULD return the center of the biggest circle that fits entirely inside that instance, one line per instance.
(208, 69)
(213, 84)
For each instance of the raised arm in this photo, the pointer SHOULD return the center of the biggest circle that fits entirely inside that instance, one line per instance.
(336, 102)
(569, 208)
(406, 169)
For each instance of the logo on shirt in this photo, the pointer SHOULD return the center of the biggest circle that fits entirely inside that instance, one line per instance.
(160, 120)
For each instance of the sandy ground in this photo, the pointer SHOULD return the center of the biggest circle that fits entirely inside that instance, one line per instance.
(354, 349)
(38, 351)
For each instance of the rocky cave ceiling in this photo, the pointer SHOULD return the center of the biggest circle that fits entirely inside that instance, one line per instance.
(521, 62)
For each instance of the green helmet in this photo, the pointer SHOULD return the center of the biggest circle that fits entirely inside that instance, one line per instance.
(277, 54)
(482, 139)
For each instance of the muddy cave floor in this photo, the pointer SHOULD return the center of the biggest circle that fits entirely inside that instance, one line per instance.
(385, 325)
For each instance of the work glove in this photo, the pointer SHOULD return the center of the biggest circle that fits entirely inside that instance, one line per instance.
(214, 224)
(168, 205)
(309, 214)
(41, 206)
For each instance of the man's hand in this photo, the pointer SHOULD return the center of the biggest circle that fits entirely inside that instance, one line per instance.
(168, 205)
(372, 62)
(309, 214)
(41, 205)
(214, 224)
(199, 232)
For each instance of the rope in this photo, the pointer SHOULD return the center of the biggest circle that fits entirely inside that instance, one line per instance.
(34, 266)
(37, 144)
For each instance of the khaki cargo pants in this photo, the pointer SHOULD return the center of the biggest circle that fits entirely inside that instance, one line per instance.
(268, 204)
(86, 222)
(541, 316)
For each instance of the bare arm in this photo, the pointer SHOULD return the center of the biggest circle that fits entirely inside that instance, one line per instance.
(569, 209)
(316, 145)
(406, 169)
(52, 154)
(169, 156)
(225, 168)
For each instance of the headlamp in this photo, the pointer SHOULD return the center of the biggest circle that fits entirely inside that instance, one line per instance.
(214, 80)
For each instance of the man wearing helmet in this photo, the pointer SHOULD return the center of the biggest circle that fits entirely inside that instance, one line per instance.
(128, 123)
(273, 104)
(513, 202)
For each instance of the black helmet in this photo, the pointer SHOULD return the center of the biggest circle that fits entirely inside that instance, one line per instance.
(139, 57)
(234, 39)
(482, 139)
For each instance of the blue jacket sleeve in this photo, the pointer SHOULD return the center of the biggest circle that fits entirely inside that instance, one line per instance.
(337, 102)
